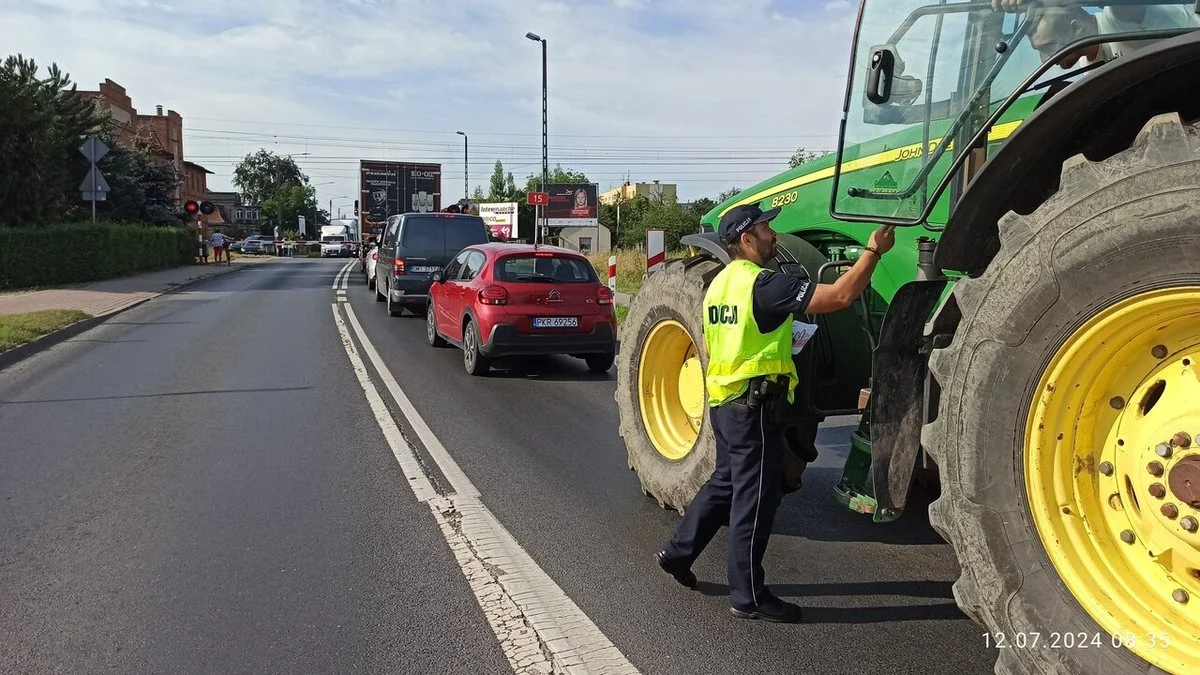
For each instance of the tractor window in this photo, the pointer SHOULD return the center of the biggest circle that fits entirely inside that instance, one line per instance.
(928, 74)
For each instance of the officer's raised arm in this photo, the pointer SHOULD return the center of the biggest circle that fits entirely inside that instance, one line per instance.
(842, 293)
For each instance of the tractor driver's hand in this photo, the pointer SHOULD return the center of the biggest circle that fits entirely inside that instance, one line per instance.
(883, 239)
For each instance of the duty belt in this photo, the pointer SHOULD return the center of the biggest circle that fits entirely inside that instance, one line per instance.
(761, 389)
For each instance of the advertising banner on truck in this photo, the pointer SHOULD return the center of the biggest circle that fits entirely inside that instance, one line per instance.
(501, 219)
(393, 188)
(572, 205)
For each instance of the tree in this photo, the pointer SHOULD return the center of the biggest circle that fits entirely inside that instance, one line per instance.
(802, 156)
(141, 190)
(700, 207)
(44, 123)
(728, 194)
(285, 204)
(261, 175)
(478, 195)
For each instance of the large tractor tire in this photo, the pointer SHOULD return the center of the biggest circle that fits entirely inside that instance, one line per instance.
(666, 429)
(1069, 407)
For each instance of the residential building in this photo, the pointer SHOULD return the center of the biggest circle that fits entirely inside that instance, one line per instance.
(235, 212)
(586, 240)
(627, 191)
(160, 134)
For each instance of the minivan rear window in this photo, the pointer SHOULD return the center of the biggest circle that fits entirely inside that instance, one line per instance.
(529, 268)
(464, 231)
(423, 238)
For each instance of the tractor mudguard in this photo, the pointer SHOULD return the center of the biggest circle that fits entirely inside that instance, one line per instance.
(1098, 116)
(709, 243)
(898, 395)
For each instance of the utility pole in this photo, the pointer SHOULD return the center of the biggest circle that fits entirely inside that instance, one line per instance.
(466, 168)
(545, 145)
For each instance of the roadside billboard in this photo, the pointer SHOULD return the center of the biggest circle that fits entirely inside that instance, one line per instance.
(501, 218)
(572, 205)
(392, 188)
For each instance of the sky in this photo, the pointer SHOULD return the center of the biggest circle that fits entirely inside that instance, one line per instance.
(704, 94)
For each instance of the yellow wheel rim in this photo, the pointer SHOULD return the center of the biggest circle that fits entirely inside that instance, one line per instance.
(1112, 470)
(671, 390)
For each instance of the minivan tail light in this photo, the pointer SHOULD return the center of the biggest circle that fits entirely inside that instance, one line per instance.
(604, 295)
(493, 295)
(398, 267)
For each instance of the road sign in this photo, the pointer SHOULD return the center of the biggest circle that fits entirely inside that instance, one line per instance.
(538, 198)
(94, 181)
(94, 188)
(300, 222)
(93, 148)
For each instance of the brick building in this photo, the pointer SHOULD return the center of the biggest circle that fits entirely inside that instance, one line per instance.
(160, 134)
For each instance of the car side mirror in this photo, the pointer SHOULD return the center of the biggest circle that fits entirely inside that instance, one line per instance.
(438, 277)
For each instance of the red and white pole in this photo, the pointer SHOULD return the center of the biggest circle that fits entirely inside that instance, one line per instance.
(612, 273)
(656, 254)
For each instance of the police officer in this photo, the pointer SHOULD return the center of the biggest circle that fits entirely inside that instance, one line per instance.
(748, 333)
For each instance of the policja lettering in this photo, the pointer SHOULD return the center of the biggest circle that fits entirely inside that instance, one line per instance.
(750, 371)
(718, 314)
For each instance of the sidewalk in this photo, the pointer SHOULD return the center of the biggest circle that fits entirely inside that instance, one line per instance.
(102, 298)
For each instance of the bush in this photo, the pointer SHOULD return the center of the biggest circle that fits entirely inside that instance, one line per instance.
(75, 253)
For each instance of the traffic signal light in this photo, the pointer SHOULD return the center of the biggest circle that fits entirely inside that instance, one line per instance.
(356, 207)
(192, 207)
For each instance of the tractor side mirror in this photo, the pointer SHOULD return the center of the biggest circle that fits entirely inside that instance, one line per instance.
(880, 75)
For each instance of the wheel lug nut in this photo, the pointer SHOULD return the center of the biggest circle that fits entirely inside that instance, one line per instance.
(1106, 468)
(1170, 510)
(1188, 523)
(1181, 439)
(1155, 468)
(1158, 491)
(1127, 536)
(1163, 450)
(1180, 596)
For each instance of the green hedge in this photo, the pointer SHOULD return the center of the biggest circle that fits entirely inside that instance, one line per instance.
(67, 254)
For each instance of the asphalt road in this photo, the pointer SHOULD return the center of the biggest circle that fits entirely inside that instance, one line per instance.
(199, 484)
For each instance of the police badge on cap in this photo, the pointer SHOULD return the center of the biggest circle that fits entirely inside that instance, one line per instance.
(741, 219)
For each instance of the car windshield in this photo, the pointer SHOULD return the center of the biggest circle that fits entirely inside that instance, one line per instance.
(532, 268)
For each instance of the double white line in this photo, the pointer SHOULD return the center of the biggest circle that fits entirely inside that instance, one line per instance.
(341, 281)
(539, 628)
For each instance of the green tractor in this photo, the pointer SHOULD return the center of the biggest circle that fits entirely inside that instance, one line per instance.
(1031, 344)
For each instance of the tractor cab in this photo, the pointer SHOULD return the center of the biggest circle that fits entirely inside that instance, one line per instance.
(933, 86)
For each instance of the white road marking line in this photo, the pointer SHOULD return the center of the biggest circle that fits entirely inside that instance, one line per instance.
(539, 628)
(337, 278)
(457, 479)
(346, 276)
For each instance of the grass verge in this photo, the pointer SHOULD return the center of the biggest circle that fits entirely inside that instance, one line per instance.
(622, 312)
(631, 267)
(19, 329)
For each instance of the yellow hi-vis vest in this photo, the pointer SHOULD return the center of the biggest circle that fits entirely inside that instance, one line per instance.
(737, 350)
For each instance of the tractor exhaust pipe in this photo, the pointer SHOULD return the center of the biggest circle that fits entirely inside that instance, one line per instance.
(926, 270)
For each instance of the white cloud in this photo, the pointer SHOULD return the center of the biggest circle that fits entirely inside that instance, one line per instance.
(627, 80)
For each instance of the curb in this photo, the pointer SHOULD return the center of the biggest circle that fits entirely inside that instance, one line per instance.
(17, 354)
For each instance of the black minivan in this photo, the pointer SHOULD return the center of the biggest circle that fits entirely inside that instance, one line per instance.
(414, 246)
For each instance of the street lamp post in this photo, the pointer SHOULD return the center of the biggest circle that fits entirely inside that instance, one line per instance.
(545, 154)
(466, 167)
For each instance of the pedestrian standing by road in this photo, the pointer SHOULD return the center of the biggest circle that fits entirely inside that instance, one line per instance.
(218, 243)
(748, 334)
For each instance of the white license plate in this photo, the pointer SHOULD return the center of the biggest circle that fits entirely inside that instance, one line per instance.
(423, 268)
(556, 322)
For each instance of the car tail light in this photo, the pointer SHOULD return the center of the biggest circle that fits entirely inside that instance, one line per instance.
(493, 295)
(398, 267)
(604, 295)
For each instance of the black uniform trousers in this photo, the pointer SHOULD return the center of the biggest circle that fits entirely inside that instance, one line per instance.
(743, 493)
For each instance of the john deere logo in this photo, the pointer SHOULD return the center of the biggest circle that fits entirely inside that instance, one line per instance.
(886, 181)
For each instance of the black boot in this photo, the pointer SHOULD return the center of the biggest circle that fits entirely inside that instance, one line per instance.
(771, 609)
(682, 574)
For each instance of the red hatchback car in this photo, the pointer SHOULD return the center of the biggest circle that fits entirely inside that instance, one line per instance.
(495, 300)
